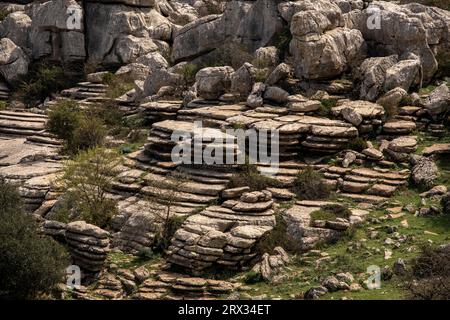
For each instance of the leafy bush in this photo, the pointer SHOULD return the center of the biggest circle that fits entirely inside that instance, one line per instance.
(89, 134)
(278, 237)
(331, 213)
(164, 238)
(250, 177)
(42, 80)
(63, 119)
(117, 85)
(86, 179)
(283, 40)
(326, 106)
(188, 72)
(357, 144)
(3, 105)
(3, 14)
(310, 185)
(252, 277)
(30, 264)
(79, 129)
(430, 274)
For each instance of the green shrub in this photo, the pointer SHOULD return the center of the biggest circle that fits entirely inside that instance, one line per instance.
(252, 277)
(310, 185)
(357, 144)
(63, 119)
(326, 106)
(429, 277)
(164, 238)
(444, 65)
(3, 14)
(250, 177)
(117, 85)
(277, 237)
(31, 265)
(86, 180)
(90, 133)
(42, 80)
(283, 40)
(331, 213)
(261, 75)
(3, 105)
(188, 72)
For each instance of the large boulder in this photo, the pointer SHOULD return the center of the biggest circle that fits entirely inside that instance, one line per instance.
(404, 74)
(159, 78)
(403, 29)
(120, 34)
(242, 79)
(438, 101)
(321, 46)
(16, 27)
(212, 82)
(13, 61)
(57, 30)
(371, 75)
(424, 172)
(244, 24)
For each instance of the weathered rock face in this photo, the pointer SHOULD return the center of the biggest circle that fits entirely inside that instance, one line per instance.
(424, 172)
(438, 102)
(88, 245)
(138, 3)
(16, 27)
(13, 61)
(223, 235)
(321, 46)
(57, 30)
(213, 82)
(307, 233)
(403, 30)
(250, 25)
(120, 33)
(271, 266)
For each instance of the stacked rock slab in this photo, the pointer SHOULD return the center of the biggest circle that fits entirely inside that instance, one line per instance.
(223, 235)
(174, 286)
(4, 91)
(399, 149)
(306, 234)
(366, 116)
(198, 142)
(213, 116)
(160, 110)
(88, 245)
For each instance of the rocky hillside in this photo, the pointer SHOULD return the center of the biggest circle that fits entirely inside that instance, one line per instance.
(355, 95)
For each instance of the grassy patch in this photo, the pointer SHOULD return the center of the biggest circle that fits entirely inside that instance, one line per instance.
(331, 213)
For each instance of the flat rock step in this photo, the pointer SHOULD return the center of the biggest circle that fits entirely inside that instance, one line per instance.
(22, 114)
(364, 198)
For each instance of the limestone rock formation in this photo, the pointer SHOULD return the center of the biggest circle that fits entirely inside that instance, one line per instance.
(13, 61)
(88, 245)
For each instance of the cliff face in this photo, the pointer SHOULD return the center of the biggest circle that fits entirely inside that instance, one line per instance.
(322, 39)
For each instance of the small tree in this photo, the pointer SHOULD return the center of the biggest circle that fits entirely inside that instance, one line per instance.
(30, 264)
(161, 204)
(87, 179)
(429, 277)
